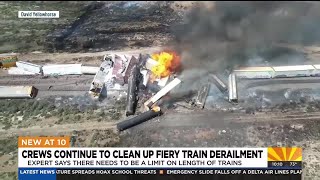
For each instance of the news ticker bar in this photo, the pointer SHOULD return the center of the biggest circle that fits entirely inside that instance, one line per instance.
(56, 174)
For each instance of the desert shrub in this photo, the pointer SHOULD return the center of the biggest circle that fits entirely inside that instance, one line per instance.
(7, 126)
(116, 116)
(8, 145)
(59, 120)
(20, 113)
(77, 117)
(13, 109)
(101, 113)
(35, 112)
(34, 105)
(67, 111)
(67, 117)
(42, 105)
(60, 111)
(47, 116)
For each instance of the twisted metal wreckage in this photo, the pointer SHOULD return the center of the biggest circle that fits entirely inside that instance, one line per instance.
(146, 76)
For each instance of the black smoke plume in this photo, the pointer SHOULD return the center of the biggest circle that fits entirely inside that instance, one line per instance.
(233, 33)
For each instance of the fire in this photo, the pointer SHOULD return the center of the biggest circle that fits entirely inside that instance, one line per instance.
(168, 63)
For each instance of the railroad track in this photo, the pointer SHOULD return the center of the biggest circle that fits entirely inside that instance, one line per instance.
(50, 81)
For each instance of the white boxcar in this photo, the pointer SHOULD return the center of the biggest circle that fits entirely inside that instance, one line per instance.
(62, 69)
(317, 70)
(18, 71)
(11, 92)
(89, 70)
(34, 68)
(233, 94)
(98, 85)
(293, 71)
(254, 72)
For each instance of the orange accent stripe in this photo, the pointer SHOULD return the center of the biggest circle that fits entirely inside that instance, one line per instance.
(270, 156)
(296, 154)
(279, 152)
(288, 151)
(51, 142)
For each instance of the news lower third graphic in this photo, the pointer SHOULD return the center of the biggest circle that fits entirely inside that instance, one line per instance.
(52, 158)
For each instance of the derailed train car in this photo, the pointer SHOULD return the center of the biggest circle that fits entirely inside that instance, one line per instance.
(293, 71)
(269, 73)
(98, 87)
(278, 72)
(8, 60)
(255, 72)
(18, 92)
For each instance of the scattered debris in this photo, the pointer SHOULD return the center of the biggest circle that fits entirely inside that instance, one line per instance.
(150, 63)
(148, 104)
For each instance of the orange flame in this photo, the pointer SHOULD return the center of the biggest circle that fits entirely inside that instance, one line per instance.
(168, 62)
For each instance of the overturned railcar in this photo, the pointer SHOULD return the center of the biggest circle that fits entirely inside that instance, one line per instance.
(233, 94)
(29, 67)
(18, 92)
(97, 87)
